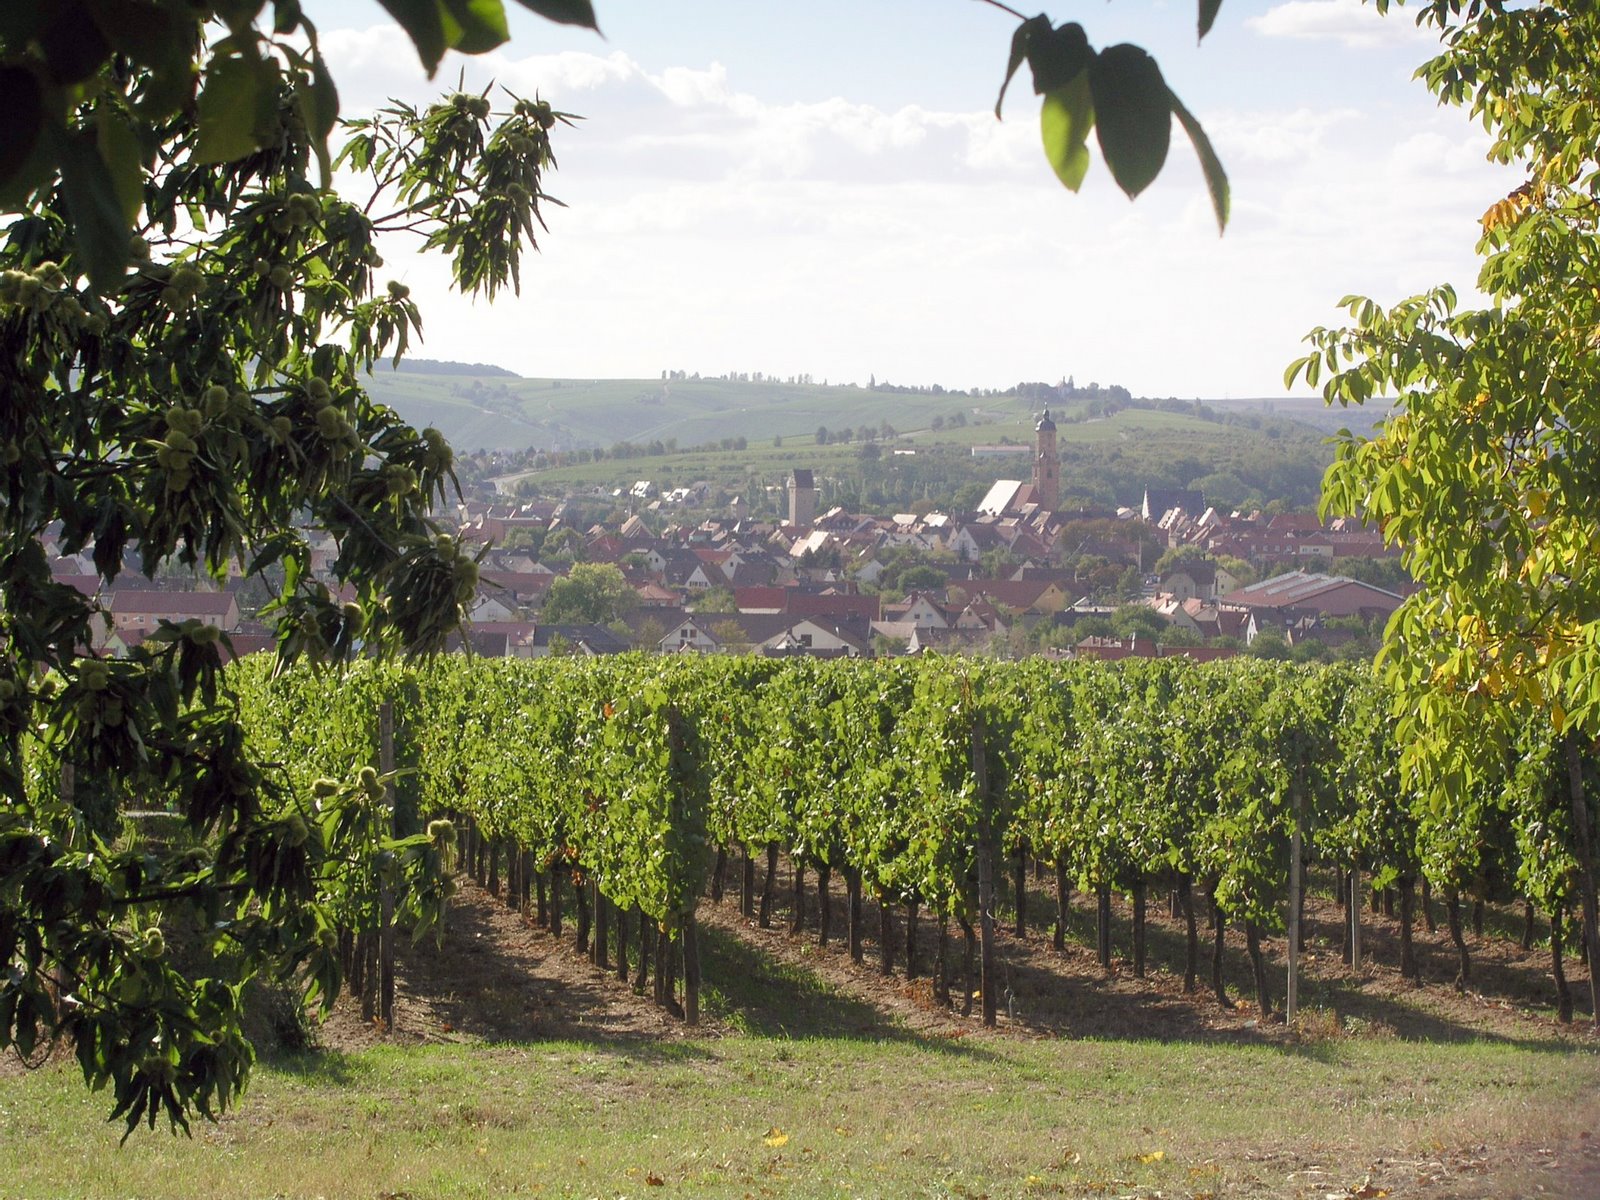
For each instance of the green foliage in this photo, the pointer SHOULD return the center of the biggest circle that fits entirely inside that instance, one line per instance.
(1378, 825)
(599, 766)
(1119, 93)
(916, 579)
(1482, 473)
(1138, 621)
(1174, 558)
(320, 737)
(594, 593)
(523, 540)
(1268, 644)
(1245, 574)
(626, 771)
(718, 599)
(1178, 635)
(944, 826)
(1283, 760)
(91, 89)
(187, 311)
(1548, 872)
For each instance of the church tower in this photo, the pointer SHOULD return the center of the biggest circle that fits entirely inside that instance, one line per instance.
(802, 498)
(1046, 465)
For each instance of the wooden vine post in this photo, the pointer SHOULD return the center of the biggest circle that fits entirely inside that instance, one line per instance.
(691, 971)
(688, 933)
(1297, 798)
(1355, 918)
(1586, 872)
(385, 888)
(980, 775)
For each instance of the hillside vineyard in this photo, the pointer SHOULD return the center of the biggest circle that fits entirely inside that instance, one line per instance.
(639, 783)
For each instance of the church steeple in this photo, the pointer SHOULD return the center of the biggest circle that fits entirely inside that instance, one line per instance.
(1046, 464)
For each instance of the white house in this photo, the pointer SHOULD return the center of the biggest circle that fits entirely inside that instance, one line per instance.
(492, 608)
(924, 613)
(692, 635)
(819, 635)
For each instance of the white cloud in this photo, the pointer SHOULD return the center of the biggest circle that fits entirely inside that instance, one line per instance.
(1277, 137)
(688, 88)
(690, 122)
(712, 227)
(1352, 23)
(1433, 152)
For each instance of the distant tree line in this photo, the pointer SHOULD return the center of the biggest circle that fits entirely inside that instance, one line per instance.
(806, 380)
(434, 366)
(861, 433)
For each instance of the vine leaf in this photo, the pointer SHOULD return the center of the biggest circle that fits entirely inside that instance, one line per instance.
(21, 121)
(1020, 41)
(1133, 109)
(1210, 164)
(473, 26)
(1057, 56)
(237, 105)
(564, 12)
(99, 230)
(120, 149)
(1064, 124)
(1208, 15)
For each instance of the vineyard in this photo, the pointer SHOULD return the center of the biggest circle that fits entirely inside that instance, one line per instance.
(617, 793)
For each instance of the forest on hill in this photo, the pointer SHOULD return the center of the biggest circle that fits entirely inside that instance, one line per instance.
(484, 407)
(877, 447)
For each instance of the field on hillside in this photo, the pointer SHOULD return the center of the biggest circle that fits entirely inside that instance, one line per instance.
(1110, 459)
(519, 1069)
(1310, 410)
(497, 412)
(1104, 460)
(505, 412)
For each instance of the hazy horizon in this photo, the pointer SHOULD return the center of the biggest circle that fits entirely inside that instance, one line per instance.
(826, 191)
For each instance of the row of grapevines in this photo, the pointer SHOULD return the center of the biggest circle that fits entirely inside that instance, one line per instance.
(913, 778)
(319, 736)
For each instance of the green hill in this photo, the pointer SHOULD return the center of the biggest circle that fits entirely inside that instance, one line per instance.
(497, 412)
(1106, 461)
(604, 434)
(480, 407)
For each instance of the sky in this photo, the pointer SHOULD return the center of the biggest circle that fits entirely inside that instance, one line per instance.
(822, 188)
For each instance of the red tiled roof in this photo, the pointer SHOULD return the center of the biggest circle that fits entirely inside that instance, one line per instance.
(193, 604)
(747, 598)
(830, 604)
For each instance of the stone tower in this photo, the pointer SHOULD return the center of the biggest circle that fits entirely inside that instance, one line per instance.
(1046, 464)
(802, 497)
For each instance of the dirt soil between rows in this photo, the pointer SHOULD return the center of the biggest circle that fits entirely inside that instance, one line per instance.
(498, 977)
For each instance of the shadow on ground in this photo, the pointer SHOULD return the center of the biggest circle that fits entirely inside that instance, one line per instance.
(498, 978)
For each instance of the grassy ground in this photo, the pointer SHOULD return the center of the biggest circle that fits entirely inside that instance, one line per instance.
(773, 1116)
(522, 1070)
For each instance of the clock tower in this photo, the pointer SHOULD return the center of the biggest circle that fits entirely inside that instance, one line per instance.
(1046, 464)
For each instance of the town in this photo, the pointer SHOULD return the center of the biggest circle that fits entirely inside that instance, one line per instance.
(1019, 575)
